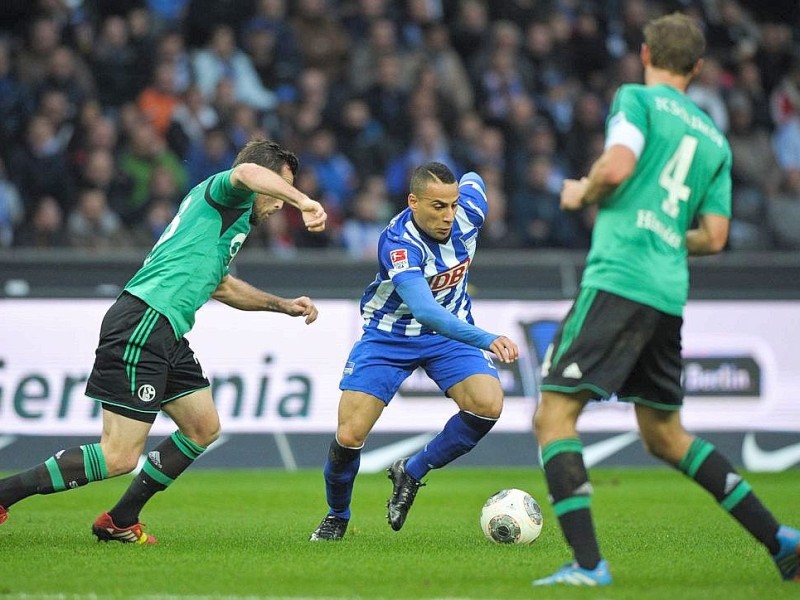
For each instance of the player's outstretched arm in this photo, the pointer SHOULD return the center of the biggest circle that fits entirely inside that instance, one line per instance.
(240, 294)
(258, 179)
(417, 295)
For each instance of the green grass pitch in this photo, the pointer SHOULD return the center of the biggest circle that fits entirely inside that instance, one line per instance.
(243, 534)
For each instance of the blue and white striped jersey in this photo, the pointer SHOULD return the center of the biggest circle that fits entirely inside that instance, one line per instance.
(405, 252)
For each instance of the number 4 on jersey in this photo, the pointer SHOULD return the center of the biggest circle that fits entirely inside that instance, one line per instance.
(674, 174)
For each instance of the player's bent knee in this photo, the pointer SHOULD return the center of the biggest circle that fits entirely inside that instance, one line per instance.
(662, 447)
(120, 463)
(349, 439)
(491, 410)
(206, 437)
(490, 406)
(202, 432)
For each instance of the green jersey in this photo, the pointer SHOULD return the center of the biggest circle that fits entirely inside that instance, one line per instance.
(192, 256)
(683, 169)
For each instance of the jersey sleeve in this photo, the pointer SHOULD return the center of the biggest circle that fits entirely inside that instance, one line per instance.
(628, 121)
(472, 198)
(221, 191)
(417, 295)
(400, 260)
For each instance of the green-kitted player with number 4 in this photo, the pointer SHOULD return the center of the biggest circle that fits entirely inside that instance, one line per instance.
(144, 364)
(665, 166)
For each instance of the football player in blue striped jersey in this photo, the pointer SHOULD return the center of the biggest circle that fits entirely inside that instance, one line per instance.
(417, 313)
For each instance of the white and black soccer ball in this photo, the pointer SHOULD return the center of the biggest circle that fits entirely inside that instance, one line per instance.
(511, 516)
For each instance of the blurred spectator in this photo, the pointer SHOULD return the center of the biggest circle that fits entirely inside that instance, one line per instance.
(100, 172)
(707, 91)
(115, 64)
(367, 216)
(11, 209)
(496, 232)
(144, 153)
(172, 50)
(362, 138)
(54, 106)
(158, 216)
(558, 103)
(222, 59)
(426, 99)
(388, 98)
(490, 151)
(538, 218)
(548, 65)
(322, 40)
(103, 134)
(306, 181)
(501, 83)
(418, 16)
(190, 121)
(628, 69)
(45, 228)
(358, 15)
(335, 174)
(382, 40)
(626, 27)
(588, 120)
(203, 17)
(16, 101)
(44, 36)
(785, 108)
(449, 74)
(784, 212)
(168, 14)
(39, 166)
(272, 48)
(470, 30)
(775, 53)
(748, 83)
(224, 100)
(244, 125)
(92, 224)
(588, 56)
(785, 98)
(214, 154)
(731, 32)
(786, 143)
(274, 233)
(755, 174)
(518, 11)
(158, 101)
(429, 144)
(467, 139)
(67, 73)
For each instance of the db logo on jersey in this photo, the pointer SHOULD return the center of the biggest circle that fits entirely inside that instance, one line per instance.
(399, 259)
(450, 278)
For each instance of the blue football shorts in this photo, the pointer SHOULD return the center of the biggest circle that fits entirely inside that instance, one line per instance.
(379, 362)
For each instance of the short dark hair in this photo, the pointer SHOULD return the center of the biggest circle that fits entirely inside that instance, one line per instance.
(432, 171)
(676, 43)
(267, 154)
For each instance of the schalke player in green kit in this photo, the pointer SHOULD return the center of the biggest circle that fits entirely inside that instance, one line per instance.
(665, 167)
(143, 362)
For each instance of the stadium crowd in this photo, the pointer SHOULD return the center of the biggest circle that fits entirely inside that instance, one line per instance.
(111, 110)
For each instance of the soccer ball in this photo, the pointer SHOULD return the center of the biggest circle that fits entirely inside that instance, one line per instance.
(511, 516)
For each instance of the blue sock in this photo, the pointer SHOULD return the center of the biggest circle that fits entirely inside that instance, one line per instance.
(340, 472)
(460, 435)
